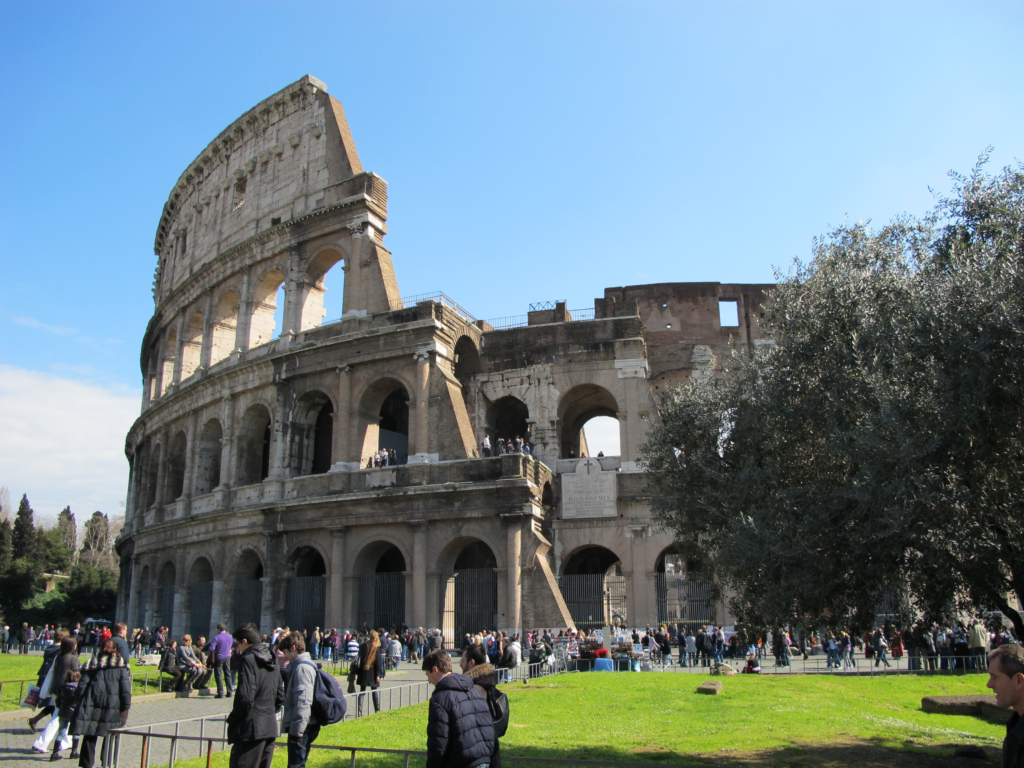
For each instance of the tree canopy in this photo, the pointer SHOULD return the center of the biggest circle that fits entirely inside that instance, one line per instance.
(877, 447)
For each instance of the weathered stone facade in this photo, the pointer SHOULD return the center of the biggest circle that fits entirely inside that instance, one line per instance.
(252, 493)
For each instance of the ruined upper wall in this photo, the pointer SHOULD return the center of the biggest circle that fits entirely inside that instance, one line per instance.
(682, 325)
(273, 164)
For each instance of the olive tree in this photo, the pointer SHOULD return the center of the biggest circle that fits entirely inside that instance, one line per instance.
(879, 444)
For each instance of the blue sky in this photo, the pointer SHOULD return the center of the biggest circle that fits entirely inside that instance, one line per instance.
(534, 151)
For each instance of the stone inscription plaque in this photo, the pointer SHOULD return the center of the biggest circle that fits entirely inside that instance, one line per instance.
(588, 492)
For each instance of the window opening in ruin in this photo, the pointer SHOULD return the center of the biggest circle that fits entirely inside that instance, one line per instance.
(600, 437)
(238, 198)
(322, 438)
(279, 313)
(191, 348)
(332, 300)
(507, 419)
(467, 365)
(728, 314)
(208, 458)
(393, 432)
(224, 327)
(267, 305)
(309, 562)
(594, 588)
(170, 352)
(254, 446)
(580, 406)
(175, 469)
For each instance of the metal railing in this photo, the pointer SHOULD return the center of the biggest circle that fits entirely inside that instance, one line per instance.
(512, 321)
(542, 305)
(440, 298)
(582, 314)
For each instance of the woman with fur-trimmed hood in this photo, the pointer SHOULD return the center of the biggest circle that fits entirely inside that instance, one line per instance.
(103, 700)
(484, 676)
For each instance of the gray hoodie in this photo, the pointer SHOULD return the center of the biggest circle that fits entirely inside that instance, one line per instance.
(299, 695)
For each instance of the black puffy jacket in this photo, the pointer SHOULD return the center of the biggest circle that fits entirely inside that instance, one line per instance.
(459, 731)
(258, 696)
(104, 692)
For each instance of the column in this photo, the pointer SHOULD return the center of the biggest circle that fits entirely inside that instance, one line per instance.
(334, 610)
(161, 467)
(419, 573)
(514, 588)
(191, 449)
(639, 589)
(244, 316)
(271, 577)
(422, 439)
(179, 623)
(280, 432)
(206, 345)
(227, 443)
(217, 613)
(179, 344)
(133, 595)
(341, 444)
(348, 602)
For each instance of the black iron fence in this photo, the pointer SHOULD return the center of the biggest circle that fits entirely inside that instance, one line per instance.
(595, 600)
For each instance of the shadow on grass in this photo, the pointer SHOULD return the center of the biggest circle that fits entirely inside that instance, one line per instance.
(858, 754)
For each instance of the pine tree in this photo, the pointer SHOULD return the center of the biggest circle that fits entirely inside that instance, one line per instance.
(68, 529)
(5, 545)
(24, 537)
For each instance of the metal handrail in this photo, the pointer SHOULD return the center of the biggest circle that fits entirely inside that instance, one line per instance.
(512, 321)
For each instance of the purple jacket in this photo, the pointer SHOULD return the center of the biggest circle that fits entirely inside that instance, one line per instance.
(221, 645)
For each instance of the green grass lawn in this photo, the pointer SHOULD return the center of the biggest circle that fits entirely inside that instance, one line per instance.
(764, 720)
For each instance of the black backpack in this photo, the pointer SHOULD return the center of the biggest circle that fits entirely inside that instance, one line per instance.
(329, 704)
(497, 702)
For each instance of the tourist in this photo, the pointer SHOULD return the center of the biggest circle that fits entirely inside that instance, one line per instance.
(24, 635)
(369, 671)
(220, 651)
(104, 698)
(460, 733)
(485, 446)
(297, 722)
(881, 645)
(1006, 680)
(119, 637)
(979, 641)
(474, 664)
(45, 700)
(252, 723)
(65, 663)
(189, 664)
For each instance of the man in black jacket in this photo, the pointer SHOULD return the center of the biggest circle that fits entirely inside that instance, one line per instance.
(459, 729)
(252, 724)
(1006, 679)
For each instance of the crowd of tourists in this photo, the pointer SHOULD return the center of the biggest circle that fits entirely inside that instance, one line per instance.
(27, 638)
(502, 446)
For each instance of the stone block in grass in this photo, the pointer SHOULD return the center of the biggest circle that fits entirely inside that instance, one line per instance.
(711, 687)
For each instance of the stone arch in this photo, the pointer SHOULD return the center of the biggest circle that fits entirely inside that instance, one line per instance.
(683, 591)
(167, 360)
(381, 566)
(174, 470)
(373, 548)
(314, 288)
(575, 408)
(593, 587)
(264, 305)
(224, 326)
(208, 458)
(306, 590)
(192, 345)
(383, 419)
(311, 434)
(467, 360)
(254, 432)
(507, 417)
(247, 605)
(450, 552)
(200, 597)
(469, 586)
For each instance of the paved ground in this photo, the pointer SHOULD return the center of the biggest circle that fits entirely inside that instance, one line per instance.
(401, 688)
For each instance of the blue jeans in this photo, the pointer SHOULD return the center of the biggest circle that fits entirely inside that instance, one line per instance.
(298, 749)
(315, 654)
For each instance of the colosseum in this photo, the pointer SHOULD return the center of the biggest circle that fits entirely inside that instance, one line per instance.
(254, 494)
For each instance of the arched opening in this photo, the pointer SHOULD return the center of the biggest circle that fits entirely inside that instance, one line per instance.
(306, 590)
(469, 590)
(142, 598)
(547, 503)
(208, 458)
(381, 586)
(224, 328)
(384, 421)
(507, 419)
(578, 406)
(200, 598)
(312, 434)
(192, 345)
(267, 300)
(152, 473)
(165, 590)
(600, 437)
(594, 588)
(175, 469)
(325, 271)
(248, 600)
(467, 365)
(167, 364)
(254, 445)
(685, 594)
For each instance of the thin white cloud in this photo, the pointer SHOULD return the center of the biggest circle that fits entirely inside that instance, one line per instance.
(62, 441)
(31, 322)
